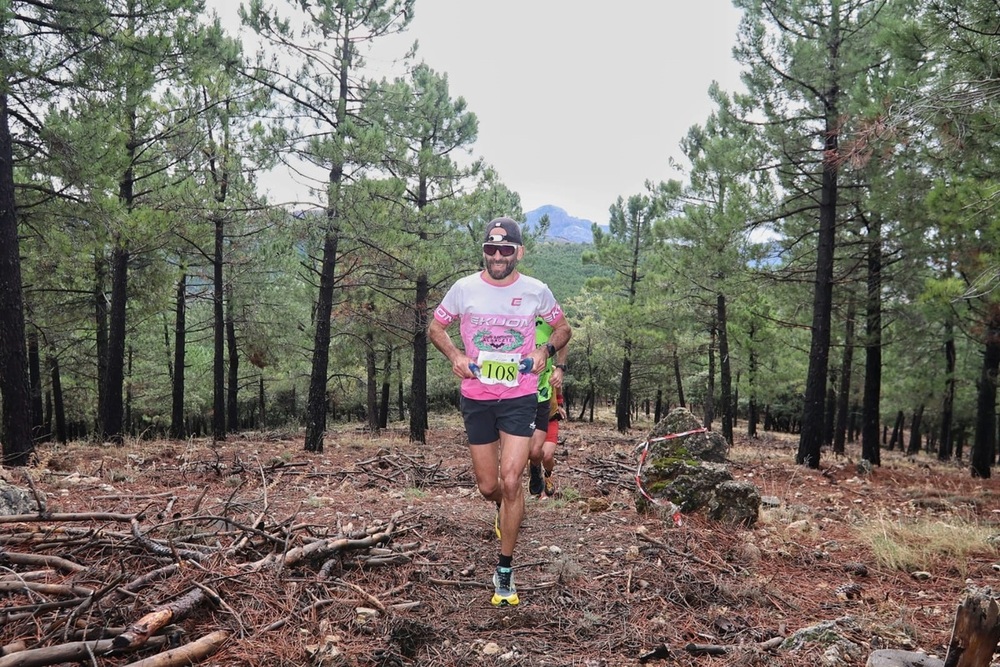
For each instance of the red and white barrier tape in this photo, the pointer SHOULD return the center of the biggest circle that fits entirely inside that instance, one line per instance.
(674, 510)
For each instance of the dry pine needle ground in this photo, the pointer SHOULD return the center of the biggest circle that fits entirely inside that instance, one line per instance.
(379, 552)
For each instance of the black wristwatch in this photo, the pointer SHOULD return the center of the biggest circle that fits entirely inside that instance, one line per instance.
(561, 367)
(551, 349)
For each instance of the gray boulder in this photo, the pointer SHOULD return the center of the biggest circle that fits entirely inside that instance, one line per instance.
(689, 472)
(15, 500)
(735, 503)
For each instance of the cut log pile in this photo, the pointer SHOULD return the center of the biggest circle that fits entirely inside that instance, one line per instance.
(78, 586)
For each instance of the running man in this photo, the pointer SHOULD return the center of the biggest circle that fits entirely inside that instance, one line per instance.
(550, 411)
(496, 309)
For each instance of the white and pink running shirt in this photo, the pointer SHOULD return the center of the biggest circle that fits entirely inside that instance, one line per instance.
(496, 319)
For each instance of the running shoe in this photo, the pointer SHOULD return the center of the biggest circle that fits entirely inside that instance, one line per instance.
(535, 485)
(496, 523)
(504, 593)
(550, 486)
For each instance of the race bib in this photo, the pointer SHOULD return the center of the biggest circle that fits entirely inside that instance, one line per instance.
(499, 368)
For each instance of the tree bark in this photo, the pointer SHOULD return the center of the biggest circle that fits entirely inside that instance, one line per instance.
(371, 373)
(15, 395)
(177, 427)
(58, 401)
(844, 398)
(114, 384)
(383, 405)
(218, 337)
(418, 378)
(233, 388)
(984, 444)
(677, 379)
(811, 437)
(946, 447)
(624, 389)
(725, 370)
(870, 416)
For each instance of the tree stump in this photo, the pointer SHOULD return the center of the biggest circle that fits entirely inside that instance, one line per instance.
(976, 633)
(974, 637)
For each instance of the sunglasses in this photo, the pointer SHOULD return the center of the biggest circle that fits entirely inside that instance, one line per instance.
(504, 250)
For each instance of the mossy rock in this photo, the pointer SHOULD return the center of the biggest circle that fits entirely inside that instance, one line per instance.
(708, 446)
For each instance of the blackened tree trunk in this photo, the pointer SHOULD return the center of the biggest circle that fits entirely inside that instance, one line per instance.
(829, 410)
(59, 406)
(128, 391)
(177, 427)
(897, 432)
(418, 379)
(316, 403)
(677, 379)
(945, 449)
(261, 403)
(218, 337)
(35, 386)
(915, 433)
(101, 338)
(811, 436)
(622, 412)
(984, 444)
(844, 398)
(233, 388)
(400, 398)
(725, 371)
(383, 404)
(371, 373)
(15, 393)
(113, 419)
(658, 411)
(871, 450)
(710, 390)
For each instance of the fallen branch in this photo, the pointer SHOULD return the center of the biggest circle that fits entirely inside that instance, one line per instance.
(185, 655)
(70, 652)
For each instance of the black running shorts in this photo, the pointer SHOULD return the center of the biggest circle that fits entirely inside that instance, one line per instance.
(542, 416)
(485, 419)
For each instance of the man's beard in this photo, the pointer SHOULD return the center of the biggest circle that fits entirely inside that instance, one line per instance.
(500, 268)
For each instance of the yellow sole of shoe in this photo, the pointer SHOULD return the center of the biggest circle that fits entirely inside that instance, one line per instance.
(509, 601)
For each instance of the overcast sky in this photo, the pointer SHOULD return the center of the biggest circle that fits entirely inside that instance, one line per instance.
(577, 102)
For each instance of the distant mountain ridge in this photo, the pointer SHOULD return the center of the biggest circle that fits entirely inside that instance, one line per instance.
(563, 227)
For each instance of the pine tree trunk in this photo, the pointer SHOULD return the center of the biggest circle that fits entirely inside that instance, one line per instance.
(371, 371)
(870, 415)
(725, 371)
(59, 406)
(233, 388)
(945, 449)
(218, 338)
(383, 404)
(15, 396)
(710, 389)
(113, 420)
(984, 444)
(101, 338)
(418, 378)
(811, 437)
(35, 386)
(677, 380)
(624, 390)
(915, 433)
(177, 427)
(317, 402)
(843, 404)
